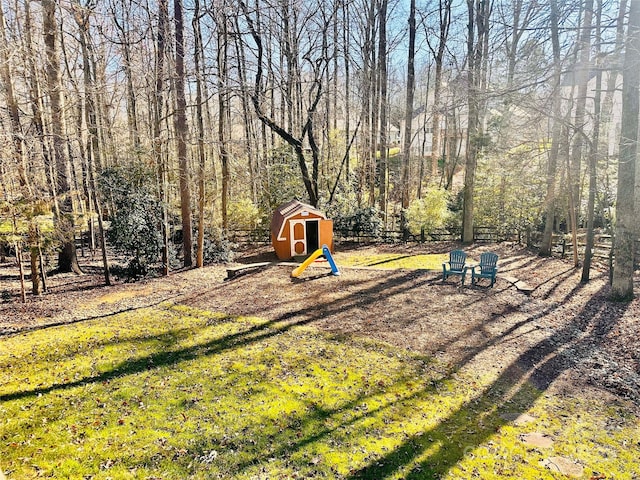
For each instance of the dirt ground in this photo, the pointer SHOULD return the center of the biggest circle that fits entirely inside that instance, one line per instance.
(563, 335)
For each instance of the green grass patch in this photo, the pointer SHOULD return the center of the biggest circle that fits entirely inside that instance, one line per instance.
(395, 261)
(172, 392)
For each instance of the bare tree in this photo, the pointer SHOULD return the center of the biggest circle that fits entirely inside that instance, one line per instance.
(408, 110)
(157, 108)
(120, 13)
(582, 81)
(438, 51)
(223, 109)
(293, 128)
(550, 199)
(383, 106)
(93, 151)
(35, 100)
(594, 144)
(253, 149)
(12, 107)
(479, 12)
(366, 146)
(622, 287)
(197, 55)
(67, 259)
(182, 133)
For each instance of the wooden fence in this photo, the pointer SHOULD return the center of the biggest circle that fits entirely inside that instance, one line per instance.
(480, 235)
(561, 243)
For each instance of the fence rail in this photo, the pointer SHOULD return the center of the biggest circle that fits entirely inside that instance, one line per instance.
(480, 234)
(561, 243)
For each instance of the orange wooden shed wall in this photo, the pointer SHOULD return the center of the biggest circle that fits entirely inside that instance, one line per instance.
(291, 235)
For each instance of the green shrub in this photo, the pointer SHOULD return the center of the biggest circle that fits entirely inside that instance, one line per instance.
(134, 229)
(218, 251)
(428, 213)
(244, 215)
(364, 221)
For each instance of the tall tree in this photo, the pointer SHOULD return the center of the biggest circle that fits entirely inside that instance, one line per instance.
(223, 109)
(347, 84)
(35, 100)
(182, 133)
(622, 287)
(197, 56)
(408, 107)
(438, 51)
(582, 83)
(253, 150)
(477, 40)
(594, 145)
(13, 110)
(120, 12)
(158, 109)
(93, 151)
(366, 179)
(67, 258)
(556, 129)
(285, 128)
(383, 106)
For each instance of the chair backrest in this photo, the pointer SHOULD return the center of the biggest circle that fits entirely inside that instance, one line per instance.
(457, 259)
(488, 262)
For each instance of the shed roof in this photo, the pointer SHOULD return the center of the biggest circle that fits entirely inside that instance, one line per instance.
(288, 210)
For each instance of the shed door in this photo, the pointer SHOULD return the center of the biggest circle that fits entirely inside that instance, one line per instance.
(312, 231)
(297, 234)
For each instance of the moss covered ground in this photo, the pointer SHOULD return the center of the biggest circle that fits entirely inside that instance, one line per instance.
(175, 392)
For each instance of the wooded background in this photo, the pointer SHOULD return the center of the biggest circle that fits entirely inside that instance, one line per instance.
(191, 118)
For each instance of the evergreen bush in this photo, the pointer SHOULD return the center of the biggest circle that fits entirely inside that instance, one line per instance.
(134, 229)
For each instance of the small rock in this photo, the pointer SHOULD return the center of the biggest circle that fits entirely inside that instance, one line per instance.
(541, 440)
(563, 465)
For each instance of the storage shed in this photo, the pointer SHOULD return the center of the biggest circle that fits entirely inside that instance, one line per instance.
(299, 229)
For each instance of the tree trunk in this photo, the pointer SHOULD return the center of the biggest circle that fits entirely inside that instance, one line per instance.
(126, 44)
(223, 115)
(607, 127)
(550, 199)
(478, 13)
(12, 108)
(93, 152)
(622, 287)
(438, 56)
(35, 100)
(23, 290)
(158, 106)
(366, 148)
(34, 254)
(253, 153)
(582, 81)
(64, 221)
(383, 141)
(182, 132)
(295, 141)
(197, 53)
(347, 86)
(593, 156)
(408, 107)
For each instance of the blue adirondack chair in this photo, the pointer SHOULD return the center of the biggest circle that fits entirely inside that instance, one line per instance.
(455, 265)
(487, 268)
